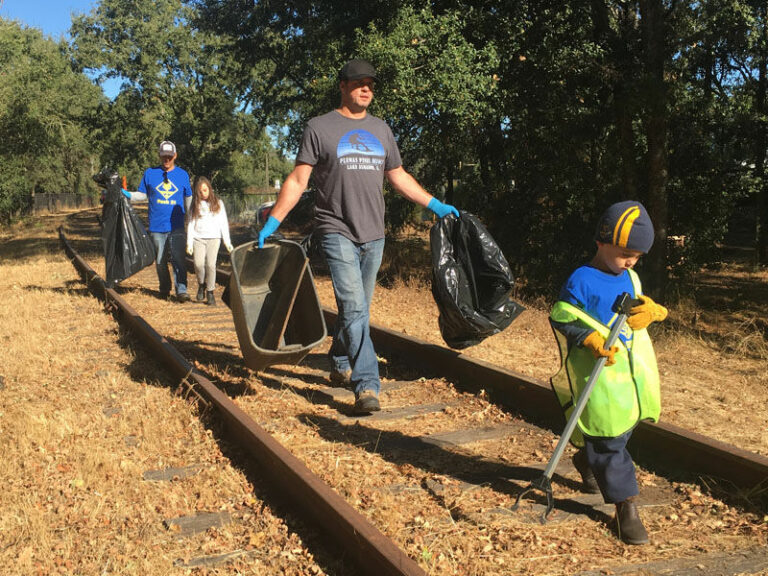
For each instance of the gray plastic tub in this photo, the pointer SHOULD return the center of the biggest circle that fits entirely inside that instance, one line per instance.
(274, 304)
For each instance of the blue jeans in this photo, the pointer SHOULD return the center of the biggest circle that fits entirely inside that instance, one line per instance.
(174, 245)
(613, 467)
(353, 270)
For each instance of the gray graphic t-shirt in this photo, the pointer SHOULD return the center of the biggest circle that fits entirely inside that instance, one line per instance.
(349, 159)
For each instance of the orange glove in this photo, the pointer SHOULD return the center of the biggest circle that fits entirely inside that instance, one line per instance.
(641, 316)
(596, 344)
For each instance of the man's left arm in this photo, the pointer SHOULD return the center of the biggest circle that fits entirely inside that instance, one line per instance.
(407, 186)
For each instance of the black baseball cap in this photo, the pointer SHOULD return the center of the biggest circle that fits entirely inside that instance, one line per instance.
(356, 69)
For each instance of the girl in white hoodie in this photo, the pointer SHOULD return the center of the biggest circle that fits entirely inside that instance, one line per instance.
(207, 226)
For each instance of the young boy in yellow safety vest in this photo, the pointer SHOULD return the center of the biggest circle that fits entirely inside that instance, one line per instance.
(627, 390)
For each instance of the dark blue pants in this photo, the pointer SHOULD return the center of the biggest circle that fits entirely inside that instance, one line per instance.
(612, 466)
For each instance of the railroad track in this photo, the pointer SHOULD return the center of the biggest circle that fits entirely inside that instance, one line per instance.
(427, 483)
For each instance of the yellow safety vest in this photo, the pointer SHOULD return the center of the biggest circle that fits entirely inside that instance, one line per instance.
(625, 393)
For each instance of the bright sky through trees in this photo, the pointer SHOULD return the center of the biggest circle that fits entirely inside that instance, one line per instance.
(53, 17)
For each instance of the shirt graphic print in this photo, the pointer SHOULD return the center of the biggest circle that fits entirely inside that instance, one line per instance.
(360, 150)
(166, 189)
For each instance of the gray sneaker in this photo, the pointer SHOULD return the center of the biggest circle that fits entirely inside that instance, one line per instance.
(366, 402)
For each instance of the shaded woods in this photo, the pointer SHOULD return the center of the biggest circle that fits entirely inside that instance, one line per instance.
(533, 115)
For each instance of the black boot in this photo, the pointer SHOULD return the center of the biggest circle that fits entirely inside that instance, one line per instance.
(201, 293)
(628, 524)
(588, 480)
(211, 301)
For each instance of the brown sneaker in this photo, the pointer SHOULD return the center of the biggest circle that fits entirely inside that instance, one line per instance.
(366, 402)
(341, 378)
(628, 524)
(588, 480)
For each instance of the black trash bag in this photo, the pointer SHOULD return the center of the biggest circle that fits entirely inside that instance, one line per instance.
(127, 246)
(471, 281)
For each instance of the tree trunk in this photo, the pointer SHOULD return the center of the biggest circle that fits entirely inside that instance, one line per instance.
(654, 44)
(761, 215)
(616, 44)
(626, 143)
(449, 199)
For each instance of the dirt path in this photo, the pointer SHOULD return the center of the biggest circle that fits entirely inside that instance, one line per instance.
(103, 462)
(83, 421)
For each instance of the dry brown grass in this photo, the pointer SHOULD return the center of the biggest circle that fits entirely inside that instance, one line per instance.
(82, 416)
(747, 340)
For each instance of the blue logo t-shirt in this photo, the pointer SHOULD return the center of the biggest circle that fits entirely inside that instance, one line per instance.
(165, 192)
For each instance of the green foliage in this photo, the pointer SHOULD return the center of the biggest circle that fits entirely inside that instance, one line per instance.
(44, 118)
(533, 115)
(177, 84)
(437, 92)
(550, 155)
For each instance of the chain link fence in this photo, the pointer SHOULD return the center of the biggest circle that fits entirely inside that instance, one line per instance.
(241, 208)
(49, 203)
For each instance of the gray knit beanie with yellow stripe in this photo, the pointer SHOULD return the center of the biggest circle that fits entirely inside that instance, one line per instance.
(626, 224)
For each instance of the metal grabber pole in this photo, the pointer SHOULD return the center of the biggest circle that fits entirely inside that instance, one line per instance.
(544, 482)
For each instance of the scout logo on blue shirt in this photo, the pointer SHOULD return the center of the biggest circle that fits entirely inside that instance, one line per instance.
(166, 189)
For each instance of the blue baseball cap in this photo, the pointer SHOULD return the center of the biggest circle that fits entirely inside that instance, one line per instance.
(626, 224)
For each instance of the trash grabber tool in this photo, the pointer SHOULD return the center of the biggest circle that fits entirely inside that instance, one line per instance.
(544, 482)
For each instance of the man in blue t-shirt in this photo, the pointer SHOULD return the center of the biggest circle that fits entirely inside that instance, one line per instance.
(349, 153)
(169, 193)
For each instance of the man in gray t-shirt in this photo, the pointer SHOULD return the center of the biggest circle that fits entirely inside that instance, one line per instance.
(350, 157)
(350, 152)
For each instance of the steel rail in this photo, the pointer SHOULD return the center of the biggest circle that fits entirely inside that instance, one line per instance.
(677, 449)
(333, 518)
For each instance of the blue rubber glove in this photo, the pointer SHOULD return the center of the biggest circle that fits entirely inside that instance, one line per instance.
(270, 226)
(126, 193)
(441, 209)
